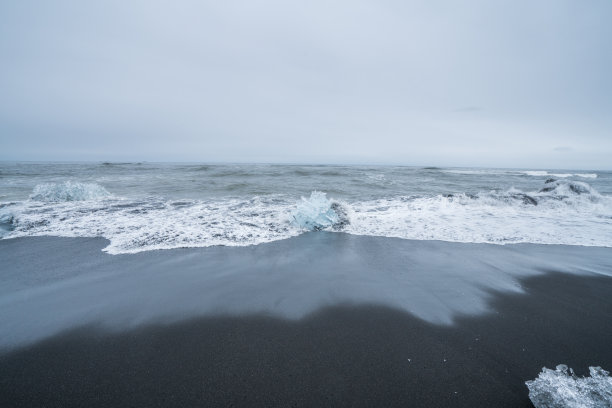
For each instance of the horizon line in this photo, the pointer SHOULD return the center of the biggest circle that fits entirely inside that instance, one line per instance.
(246, 163)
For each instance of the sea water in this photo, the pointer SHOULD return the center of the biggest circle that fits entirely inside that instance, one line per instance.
(148, 206)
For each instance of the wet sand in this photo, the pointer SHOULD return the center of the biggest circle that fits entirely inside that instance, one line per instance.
(347, 354)
(339, 356)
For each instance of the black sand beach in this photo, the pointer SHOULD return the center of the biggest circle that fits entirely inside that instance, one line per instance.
(355, 354)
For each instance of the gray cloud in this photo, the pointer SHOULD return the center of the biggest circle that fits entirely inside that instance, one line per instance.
(351, 81)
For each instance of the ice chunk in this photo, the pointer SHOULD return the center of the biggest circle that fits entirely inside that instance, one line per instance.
(317, 212)
(561, 388)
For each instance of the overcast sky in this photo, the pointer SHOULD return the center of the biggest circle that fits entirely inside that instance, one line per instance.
(518, 83)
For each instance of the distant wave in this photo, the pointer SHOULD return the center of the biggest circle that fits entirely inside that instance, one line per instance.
(120, 163)
(562, 388)
(475, 172)
(559, 212)
(542, 173)
(68, 191)
(533, 173)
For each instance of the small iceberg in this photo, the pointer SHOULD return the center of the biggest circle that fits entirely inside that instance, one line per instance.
(318, 212)
(561, 388)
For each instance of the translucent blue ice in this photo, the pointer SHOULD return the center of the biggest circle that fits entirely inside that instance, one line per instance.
(315, 213)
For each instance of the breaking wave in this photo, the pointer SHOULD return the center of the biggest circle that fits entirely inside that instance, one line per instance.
(68, 191)
(561, 388)
(542, 173)
(560, 212)
(155, 223)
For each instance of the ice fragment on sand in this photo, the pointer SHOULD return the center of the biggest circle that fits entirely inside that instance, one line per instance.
(562, 388)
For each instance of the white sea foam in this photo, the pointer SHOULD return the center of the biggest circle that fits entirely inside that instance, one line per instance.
(566, 213)
(561, 388)
(68, 191)
(537, 173)
(561, 212)
(157, 224)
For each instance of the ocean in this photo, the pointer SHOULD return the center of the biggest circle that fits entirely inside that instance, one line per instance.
(148, 206)
(148, 284)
